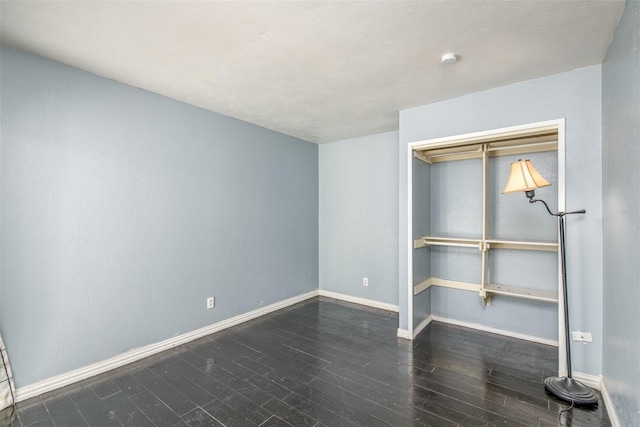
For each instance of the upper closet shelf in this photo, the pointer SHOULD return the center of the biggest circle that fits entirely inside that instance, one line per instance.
(524, 144)
(487, 244)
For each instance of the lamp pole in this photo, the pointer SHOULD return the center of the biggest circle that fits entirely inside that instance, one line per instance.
(565, 388)
(524, 177)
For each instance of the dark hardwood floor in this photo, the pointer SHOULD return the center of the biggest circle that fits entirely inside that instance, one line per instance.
(322, 363)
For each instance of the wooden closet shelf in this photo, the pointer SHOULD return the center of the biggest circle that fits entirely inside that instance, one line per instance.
(487, 244)
(512, 291)
(519, 244)
(447, 241)
(434, 154)
(490, 290)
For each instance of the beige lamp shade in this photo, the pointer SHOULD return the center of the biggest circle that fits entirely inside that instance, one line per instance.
(524, 177)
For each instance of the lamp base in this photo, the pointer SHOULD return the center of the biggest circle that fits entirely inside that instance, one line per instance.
(571, 390)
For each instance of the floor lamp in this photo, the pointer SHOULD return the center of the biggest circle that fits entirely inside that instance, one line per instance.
(524, 177)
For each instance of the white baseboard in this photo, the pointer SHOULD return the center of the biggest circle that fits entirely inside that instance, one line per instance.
(422, 325)
(495, 330)
(136, 354)
(403, 333)
(593, 381)
(357, 300)
(590, 380)
(608, 402)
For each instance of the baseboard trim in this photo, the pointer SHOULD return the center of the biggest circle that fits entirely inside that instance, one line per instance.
(357, 300)
(139, 353)
(593, 381)
(608, 403)
(422, 325)
(492, 330)
(404, 334)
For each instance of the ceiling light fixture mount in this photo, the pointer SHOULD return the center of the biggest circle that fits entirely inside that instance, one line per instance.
(449, 58)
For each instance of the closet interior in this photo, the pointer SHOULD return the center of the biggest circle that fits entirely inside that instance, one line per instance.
(475, 238)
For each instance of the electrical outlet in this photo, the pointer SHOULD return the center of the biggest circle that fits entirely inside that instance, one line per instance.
(211, 302)
(582, 336)
(365, 281)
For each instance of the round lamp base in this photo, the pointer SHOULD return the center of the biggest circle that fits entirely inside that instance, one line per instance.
(568, 389)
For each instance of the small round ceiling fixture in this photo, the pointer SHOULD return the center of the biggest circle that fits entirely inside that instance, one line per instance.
(449, 58)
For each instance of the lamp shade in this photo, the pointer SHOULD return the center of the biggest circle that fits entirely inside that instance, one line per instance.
(524, 177)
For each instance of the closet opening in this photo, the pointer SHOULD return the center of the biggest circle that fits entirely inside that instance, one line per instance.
(478, 257)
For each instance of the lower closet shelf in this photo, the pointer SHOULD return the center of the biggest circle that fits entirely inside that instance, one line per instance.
(489, 290)
(532, 294)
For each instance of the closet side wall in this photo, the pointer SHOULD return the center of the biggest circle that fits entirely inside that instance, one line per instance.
(421, 196)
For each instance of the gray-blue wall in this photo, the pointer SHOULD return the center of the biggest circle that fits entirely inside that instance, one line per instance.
(359, 217)
(576, 96)
(621, 206)
(123, 210)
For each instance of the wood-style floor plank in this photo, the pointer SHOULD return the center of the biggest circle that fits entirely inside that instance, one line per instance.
(323, 363)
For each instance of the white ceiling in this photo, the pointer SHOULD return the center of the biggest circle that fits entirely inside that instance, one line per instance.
(321, 71)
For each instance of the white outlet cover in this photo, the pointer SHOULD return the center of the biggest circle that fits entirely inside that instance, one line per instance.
(581, 336)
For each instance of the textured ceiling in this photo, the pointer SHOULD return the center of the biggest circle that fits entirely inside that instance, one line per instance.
(320, 71)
